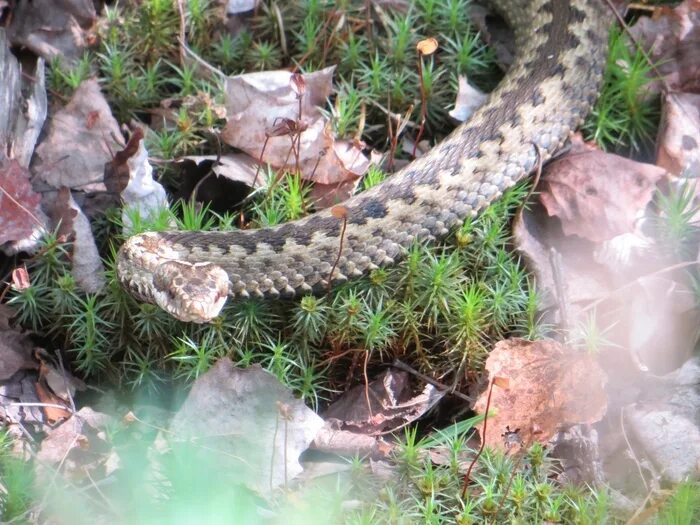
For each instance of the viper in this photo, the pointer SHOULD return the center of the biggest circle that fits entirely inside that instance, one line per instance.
(550, 87)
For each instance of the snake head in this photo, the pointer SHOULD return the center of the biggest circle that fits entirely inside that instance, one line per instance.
(191, 292)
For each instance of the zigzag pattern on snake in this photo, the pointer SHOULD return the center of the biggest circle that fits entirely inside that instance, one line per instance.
(544, 96)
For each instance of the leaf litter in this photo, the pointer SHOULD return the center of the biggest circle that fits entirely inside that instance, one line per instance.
(544, 381)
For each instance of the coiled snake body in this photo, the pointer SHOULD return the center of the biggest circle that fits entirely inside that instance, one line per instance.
(544, 96)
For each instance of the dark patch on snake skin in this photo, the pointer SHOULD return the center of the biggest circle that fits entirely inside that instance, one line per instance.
(537, 98)
(576, 14)
(596, 39)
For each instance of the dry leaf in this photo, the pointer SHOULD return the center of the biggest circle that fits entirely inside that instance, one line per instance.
(142, 192)
(469, 99)
(52, 412)
(86, 263)
(236, 167)
(584, 279)
(73, 154)
(20, 279)
(679, 138)
(19, 205)
(598, 195)
(263, 111)
(551, 386)
(235, 417)
(15, 354)
(77, 444)
(53, 29)
(391, 404)
(672, 38)
(327, 195)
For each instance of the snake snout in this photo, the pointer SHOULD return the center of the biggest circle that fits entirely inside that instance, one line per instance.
(192, 292)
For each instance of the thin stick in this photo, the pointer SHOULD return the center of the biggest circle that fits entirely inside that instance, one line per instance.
(483, 442)
(636, 281)
(442, 386)
(339, 212)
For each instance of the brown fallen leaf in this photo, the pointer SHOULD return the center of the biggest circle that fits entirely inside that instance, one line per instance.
(551, 386)
(15, 354)
(598, 195)
(679, 137)
(116, 171)
(672, 38)
(78, 144)
(264, 121)
(584, 278)
(73, 225)
(20, 214)
(78, 445)
(53, 29)
(52, 410)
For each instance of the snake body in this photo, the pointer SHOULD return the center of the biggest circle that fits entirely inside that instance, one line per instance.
(544, 96)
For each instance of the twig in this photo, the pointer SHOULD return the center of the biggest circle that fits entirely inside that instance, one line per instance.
(364, 373)
(628, 31)
(562, 299)
(201, 61)
(339, 212)
(636, 281)
(483, 442)
(631, 449)
(181, 39)
(442, 386)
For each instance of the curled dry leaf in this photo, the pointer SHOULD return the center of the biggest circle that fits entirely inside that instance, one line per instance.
(598, 195)
(80, 140)
(86, 263)
(679, 139)
(20, 214)
(469, 99)
(391, 404)
(264, 119)
(142, 191)
(550, 386)
(672, 38)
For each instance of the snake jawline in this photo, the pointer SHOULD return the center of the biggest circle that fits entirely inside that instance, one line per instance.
(543, 97)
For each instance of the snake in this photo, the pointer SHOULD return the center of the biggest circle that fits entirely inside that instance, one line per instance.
(528, 118)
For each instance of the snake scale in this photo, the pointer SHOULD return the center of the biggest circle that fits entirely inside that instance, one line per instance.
(544, 96)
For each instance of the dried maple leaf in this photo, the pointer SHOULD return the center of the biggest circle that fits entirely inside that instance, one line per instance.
(551, 386)
(598, 195)
(19, 205)
(679, 138)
